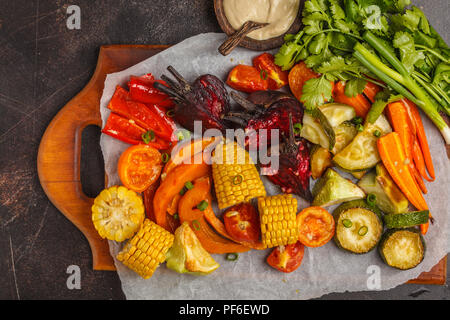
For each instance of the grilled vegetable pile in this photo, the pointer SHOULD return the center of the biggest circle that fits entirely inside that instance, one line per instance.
(350, 122)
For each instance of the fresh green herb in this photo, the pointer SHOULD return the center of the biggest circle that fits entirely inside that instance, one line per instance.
(196, 225)
(316, 92)
(363, 231)
(263, 74)
(347, 223)
(298, 128)
(165, 157)
(371, 199)
(237, 179)
(360, 127)
(188, 185)
(355, 87)
(202, 205)
(377, 133)
(357, 120)
(148, 136)
(232, 256)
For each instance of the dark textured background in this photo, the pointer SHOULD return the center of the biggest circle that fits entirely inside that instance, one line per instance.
(42, 66)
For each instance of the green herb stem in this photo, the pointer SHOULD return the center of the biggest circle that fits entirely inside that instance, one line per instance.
(436, 54)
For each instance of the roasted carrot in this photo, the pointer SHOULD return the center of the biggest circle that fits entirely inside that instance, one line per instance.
(371, 90)
(393, 157)
(359, 102)
(421, 136)
(399, 118)
(419, 161)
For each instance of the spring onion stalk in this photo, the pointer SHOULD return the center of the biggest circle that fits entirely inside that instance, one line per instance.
(402, 78)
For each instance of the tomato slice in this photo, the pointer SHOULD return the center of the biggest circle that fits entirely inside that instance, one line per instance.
(242, 222)
(247, 79)
(139, 167)
(287, 258)
(316, 226)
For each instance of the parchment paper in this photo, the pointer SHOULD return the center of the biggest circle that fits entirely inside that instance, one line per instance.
(324, 270)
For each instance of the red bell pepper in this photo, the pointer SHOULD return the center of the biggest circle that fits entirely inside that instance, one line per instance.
(128, 131)
(265, 63)
(147, 117)
(247, 79)
(142, 90)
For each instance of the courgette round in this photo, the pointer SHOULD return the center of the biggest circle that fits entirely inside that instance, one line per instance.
(406, 220)
(402, 248)
(358, 226)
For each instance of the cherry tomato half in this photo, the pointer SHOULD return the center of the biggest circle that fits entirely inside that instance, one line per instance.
(287, 258)
(139, 167)
(316, 226)
(242, 222)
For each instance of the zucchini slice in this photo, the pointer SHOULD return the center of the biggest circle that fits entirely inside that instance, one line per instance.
(343, 135)
(313, 131)
(406, 220)
(362, 153)
(320, 161)
(358, 226)
(402, 248)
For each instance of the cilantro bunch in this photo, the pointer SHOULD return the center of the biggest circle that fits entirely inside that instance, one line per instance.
(372, 40)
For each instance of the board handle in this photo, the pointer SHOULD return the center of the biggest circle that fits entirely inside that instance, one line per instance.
(58, 163)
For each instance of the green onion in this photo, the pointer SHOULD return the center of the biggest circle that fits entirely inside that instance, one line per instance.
(202, 205)
(347, 223)
(238, 179)
(170, 113)
(196, 225)
(165, 157)
(263, 74)
(371, 199)
(183, 134)
(176, 216)
(377, 133)
(357, 120)
(183, 191)
(360, 127)
(232, 256)
(148, 136)
(363, 231)
(189, 185)
(297, 128)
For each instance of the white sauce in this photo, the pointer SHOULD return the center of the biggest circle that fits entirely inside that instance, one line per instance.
(279, 13)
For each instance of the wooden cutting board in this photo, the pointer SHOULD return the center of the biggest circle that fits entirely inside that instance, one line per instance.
(60, 150)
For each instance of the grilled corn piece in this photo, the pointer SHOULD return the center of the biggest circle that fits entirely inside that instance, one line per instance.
(236, 178)
(278, 220)
(147, 249)
(117, 213)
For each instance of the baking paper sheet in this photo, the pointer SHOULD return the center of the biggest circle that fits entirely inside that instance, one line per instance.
(324, 270)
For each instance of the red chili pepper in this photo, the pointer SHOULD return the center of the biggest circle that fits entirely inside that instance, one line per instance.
(247, 79)
(128, 131)
(142, 90)
(266, 63)
(145, 116)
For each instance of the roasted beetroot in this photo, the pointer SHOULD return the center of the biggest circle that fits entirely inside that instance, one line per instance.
(206, 100)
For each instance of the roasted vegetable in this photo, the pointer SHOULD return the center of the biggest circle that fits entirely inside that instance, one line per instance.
(142, 90)
(268, 69)
(278, 220)
(242, 222)
(236, 178)
(187, 254)
(402, 248)
(406, 220)
(362, 154)
(117, 213)
(206, 100)
(332, 189)
(315, 226)
(287, 258)
(147, 249)
(139, 167)
(320, 161)
(247, 79)
(389, 198)
(358, 226)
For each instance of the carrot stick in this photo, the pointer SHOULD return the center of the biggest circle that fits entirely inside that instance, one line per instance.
(399, 118)
(419, 180)
(393, 156)
(421, 136)
(419, 161)
(359, 102)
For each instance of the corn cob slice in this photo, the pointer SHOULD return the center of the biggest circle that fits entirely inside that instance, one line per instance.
(147, 249)
(278, 220)
(236, 178)
(117, 213)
